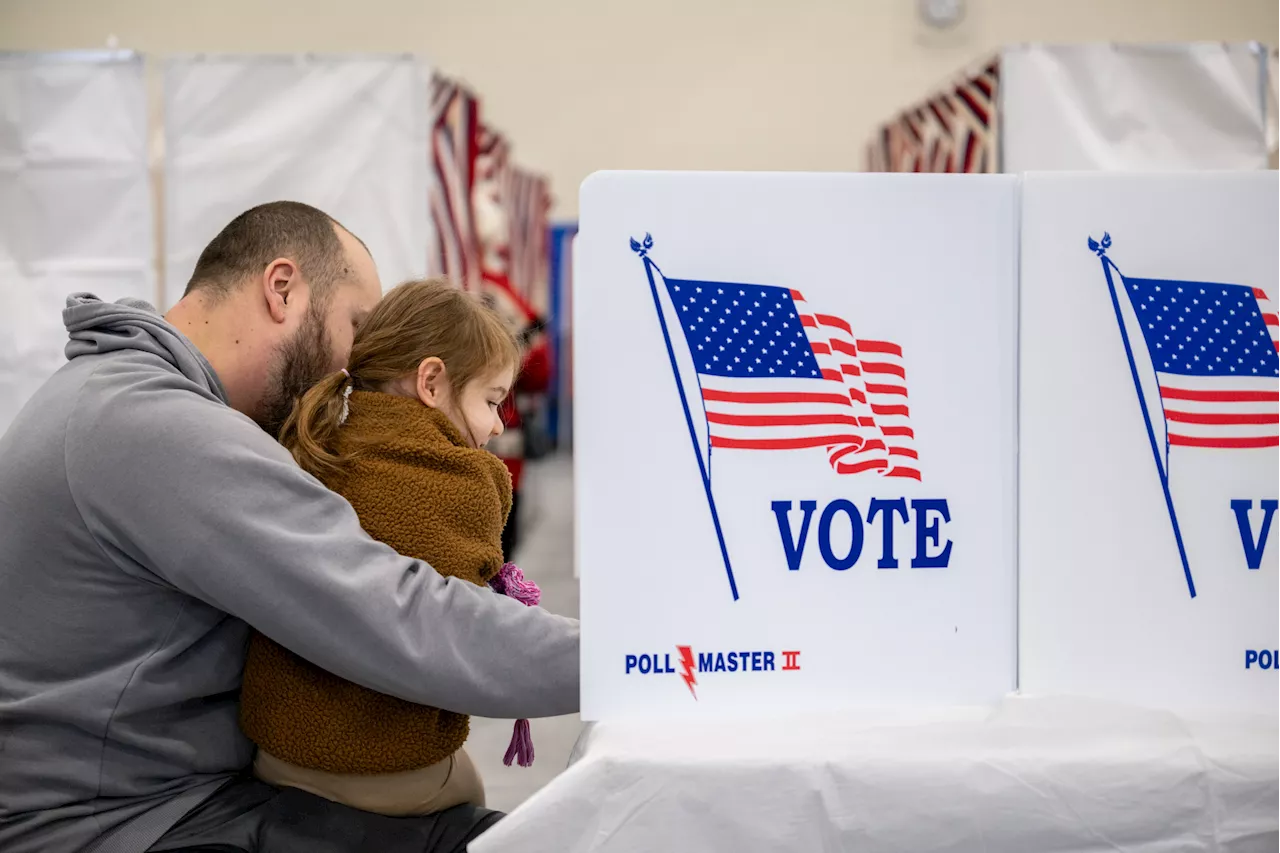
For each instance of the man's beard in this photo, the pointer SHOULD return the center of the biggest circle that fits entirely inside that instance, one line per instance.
(299, 363)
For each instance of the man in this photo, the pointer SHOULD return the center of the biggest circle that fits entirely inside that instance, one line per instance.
(148, 519)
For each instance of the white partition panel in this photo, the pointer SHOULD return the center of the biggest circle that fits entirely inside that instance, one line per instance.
(75, 209)
(1130, 107)
(1149, 432)
(794, 441)
(346, 134)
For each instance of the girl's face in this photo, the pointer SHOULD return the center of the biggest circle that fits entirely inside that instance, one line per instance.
(477, 406)
(473, 410)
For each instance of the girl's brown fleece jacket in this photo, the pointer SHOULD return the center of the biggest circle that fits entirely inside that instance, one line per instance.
(417, 486)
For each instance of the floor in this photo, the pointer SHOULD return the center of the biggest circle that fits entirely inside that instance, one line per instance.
(546, 556)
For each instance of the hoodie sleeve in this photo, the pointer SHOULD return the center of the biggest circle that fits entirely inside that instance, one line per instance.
(177, 487)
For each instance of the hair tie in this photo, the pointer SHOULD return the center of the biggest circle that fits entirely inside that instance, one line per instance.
(346, 396)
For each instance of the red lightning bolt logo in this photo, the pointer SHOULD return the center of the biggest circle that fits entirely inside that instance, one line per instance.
(686, 663)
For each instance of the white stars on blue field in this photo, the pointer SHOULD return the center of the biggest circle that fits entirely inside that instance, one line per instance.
(1201, 329)
(743, 330)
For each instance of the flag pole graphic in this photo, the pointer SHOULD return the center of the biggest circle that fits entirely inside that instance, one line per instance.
(1100, 249)
(642, 249)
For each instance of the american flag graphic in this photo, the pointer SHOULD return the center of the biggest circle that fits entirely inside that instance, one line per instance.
(775, 374)
(1214, 349)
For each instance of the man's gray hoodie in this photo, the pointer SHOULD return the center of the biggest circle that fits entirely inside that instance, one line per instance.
(144, 526)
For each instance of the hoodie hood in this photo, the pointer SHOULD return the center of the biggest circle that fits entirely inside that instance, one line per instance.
(96, 327)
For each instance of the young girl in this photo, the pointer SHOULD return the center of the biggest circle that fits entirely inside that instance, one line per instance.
(400, 433)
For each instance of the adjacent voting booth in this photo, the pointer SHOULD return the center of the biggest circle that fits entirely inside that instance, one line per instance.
(75, 207)
(852, 449)
(1148, 435)
(795, 441)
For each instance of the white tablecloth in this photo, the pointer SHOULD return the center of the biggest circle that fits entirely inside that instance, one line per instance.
(1046, 774)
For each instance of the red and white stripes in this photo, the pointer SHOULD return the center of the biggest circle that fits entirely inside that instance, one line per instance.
(872, 376)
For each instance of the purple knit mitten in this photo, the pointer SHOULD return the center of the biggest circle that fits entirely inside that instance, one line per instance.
(511, 582)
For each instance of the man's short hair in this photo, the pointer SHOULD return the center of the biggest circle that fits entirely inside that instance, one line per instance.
(255, 238)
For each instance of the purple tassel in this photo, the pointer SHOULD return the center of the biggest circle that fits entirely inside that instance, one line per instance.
(521, 748)
(511, 582)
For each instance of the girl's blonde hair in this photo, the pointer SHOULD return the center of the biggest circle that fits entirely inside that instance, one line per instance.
(415, 321)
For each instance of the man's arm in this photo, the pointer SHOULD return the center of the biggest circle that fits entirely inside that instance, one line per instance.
(187, 490)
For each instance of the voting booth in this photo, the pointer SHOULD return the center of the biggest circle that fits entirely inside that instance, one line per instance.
(772, 666)
(351, 141)
(1092, 106)
(75, 205)
(794, 441)
(796, 437)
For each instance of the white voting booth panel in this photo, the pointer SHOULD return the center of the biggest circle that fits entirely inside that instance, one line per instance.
(345, 134)
(1138, 108)
(1148, 423)
(75, 209)
(794, 427)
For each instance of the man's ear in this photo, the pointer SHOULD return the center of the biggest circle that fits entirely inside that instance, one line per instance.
(281, 282)
(432, 385)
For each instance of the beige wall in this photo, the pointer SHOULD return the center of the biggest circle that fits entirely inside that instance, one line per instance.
(581, 85)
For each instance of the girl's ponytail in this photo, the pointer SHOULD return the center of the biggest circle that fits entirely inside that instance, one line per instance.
(311, 431)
